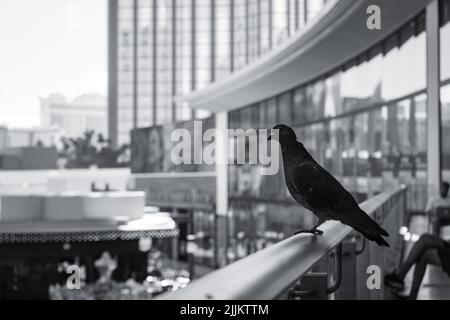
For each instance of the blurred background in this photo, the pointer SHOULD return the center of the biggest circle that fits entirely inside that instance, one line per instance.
(90, 92)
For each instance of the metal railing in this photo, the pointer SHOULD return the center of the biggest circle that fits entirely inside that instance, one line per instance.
(298, 266)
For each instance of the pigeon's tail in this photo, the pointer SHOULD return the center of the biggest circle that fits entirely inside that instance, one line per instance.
(370, 229)
(374, 237)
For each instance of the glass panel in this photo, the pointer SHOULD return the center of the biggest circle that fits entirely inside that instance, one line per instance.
(145, 63)
(222, 38)
(313, 7)
(203, 42)
(299, 108)
(125, 70)
(264, 25)
(279, 21)
(445, 39)
(183, 56)
(445, 133)
(398, 77)
(253, 32)
(293, 15)
(360, 86)
(285, 108)
(164, 62)
(272, 113)
(240, 38)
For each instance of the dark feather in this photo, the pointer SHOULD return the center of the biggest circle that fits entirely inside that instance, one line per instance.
(317, 190)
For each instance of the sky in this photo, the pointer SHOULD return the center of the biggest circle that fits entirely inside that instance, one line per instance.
(60, 46)
(49, 46)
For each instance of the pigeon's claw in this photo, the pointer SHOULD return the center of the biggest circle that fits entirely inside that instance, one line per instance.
(315, 232)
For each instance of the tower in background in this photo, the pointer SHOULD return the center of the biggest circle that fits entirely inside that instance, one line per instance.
(86, 112)
(161, 49)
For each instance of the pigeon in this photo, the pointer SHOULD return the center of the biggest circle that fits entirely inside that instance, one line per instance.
(317, 190)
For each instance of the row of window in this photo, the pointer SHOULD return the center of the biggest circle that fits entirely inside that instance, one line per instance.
(379, 75)
(239, 30)
(365, 122)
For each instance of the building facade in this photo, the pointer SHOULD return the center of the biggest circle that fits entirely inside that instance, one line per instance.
(163, 49)
(3, 137)
(371, 106)
(32, 137)
(86, 112)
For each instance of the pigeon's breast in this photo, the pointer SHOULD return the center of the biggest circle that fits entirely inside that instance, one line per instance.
(296, 194)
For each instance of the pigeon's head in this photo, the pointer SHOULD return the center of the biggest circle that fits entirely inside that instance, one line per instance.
(285, 133)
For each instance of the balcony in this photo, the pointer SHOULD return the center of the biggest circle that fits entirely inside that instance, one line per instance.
(337, 34)
(335, 265)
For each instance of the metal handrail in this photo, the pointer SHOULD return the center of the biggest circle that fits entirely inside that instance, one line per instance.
(338, 275)
(298, 292)
(283, 263)
(363, 246)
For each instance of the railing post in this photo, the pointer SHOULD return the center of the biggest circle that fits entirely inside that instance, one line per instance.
(347, 290)
(313, 286)
(317, 282)
(191, 247)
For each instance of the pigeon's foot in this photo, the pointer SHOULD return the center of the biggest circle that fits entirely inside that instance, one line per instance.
(400, 296)
(315, 232)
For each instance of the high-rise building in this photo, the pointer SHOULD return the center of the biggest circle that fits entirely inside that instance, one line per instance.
(162, 49)
(86, 112)
(3, 137)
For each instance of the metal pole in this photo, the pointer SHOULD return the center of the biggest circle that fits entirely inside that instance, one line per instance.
(433, 98)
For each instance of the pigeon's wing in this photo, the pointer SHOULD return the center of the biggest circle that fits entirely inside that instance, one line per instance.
(322, 191)
(319, 188)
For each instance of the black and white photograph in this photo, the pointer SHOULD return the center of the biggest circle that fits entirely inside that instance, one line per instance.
(225, 155)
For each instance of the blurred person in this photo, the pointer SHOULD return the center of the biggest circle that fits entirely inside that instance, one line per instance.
(441, 201)
(428, 250)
